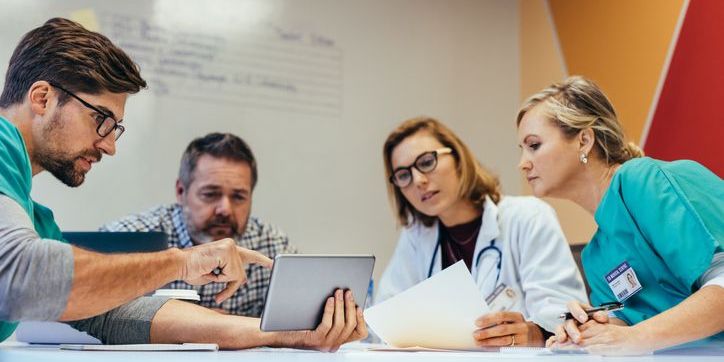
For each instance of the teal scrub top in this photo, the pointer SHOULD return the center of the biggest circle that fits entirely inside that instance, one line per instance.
(665, 220)
(16, 182)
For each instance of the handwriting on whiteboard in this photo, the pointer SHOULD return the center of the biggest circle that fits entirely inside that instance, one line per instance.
(270, 67)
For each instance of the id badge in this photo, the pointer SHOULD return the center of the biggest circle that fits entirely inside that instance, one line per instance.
(502, 298)
(623, 281)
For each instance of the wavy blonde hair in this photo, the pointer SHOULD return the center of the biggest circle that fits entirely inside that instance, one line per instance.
(577, 104)
(475, 182)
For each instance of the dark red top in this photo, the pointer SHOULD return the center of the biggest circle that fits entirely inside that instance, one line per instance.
(458, 242)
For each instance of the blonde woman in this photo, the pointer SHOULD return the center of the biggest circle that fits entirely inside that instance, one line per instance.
(451, 209)
(658, 247)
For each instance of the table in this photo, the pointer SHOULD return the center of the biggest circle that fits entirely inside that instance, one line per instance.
(355, 352)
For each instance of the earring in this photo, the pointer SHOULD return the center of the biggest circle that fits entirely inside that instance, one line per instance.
(583, 158)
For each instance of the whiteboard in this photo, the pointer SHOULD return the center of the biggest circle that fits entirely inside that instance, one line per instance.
(314, 86)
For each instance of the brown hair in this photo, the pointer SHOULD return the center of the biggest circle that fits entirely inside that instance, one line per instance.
(577, 104)
(475, 182)
(63, 52)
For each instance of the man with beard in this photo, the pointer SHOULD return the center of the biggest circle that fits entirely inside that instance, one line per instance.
(214, 189)
(61, 109)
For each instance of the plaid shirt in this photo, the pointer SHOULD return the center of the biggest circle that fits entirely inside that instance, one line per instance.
(264, 238)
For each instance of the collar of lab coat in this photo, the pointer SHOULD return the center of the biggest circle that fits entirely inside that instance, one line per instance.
(490, 228)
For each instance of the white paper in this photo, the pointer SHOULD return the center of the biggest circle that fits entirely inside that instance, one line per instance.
(142, 347)
(52, 333)
(439, 312)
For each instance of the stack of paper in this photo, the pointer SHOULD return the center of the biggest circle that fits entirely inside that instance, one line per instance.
(440, 312)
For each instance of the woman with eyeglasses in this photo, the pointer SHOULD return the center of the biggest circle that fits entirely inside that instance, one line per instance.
(451, 210)
(658, 247)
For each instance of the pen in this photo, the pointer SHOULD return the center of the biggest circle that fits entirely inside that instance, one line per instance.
(606, 307)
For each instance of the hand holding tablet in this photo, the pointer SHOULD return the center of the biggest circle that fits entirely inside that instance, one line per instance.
(317, 299)
(300, 285)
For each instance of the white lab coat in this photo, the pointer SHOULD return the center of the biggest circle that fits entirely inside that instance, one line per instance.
(536, 261)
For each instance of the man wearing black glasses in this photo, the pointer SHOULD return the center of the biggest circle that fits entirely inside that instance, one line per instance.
(61, 110)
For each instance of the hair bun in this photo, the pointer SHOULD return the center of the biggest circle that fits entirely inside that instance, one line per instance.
(633, 150)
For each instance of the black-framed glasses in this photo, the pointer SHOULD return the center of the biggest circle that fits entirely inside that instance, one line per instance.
(425, 163)
(106, 122)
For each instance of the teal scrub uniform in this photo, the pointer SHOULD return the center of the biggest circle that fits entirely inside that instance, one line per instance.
(665, 220)
(15, 182)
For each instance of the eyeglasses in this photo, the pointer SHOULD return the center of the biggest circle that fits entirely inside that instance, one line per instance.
(106, 123)
(425, 163)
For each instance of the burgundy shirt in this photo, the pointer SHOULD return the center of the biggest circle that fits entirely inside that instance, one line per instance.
(458, 242)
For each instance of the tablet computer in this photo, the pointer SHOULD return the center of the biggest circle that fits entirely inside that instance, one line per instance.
(300, 285)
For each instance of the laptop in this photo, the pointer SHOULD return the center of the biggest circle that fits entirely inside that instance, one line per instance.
(118, 242)
(103, 242)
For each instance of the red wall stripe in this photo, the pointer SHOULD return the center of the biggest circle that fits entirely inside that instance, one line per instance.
(689, 118)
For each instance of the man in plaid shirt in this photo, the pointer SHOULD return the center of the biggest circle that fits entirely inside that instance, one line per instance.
(214, 196)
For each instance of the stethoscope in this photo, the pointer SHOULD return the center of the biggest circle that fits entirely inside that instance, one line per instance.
(492, 248)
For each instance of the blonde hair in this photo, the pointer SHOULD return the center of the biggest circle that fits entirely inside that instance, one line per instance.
(577, 104)
(475, 182)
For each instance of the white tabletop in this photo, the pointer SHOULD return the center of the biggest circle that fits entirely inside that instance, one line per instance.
(356, 352)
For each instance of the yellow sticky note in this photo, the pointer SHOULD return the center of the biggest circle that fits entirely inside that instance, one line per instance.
(87, 18)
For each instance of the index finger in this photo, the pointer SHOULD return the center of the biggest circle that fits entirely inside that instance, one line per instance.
(254, 257)
(492, 319)
(600, 317)
(578, 311)
(230, 289)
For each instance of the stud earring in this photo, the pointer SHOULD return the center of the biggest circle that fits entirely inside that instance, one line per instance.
(583, 158)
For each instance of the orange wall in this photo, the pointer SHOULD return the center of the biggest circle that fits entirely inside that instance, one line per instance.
(620, 44)
(541, 64)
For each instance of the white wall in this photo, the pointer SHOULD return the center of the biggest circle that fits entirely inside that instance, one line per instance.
(321, 174)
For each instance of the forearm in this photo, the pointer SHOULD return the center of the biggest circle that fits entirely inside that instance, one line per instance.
(182, 322)
(102, 282)
(699, 316)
